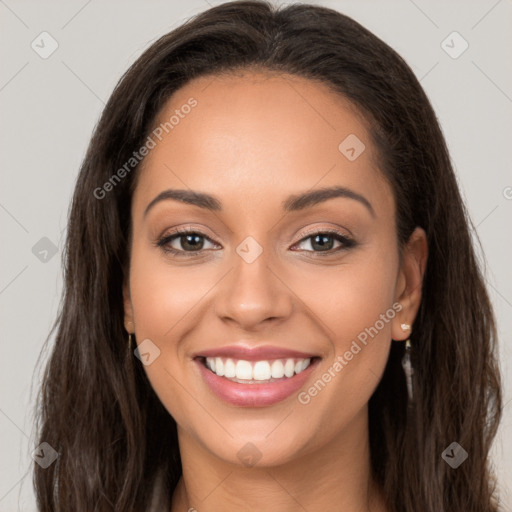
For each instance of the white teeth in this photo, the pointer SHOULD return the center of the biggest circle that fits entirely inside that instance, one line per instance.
(289, 368)
(229, 369)
(261, 371)
(278, 369)
(257, 370)
(219, 366)
(243, 370)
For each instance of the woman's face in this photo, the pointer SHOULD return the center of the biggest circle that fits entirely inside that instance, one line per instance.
(265, 277)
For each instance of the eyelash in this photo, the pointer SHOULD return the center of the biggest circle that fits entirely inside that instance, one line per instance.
(163, 242)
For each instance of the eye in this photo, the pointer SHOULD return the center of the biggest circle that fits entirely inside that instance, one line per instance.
(323, 241)
(190, 241)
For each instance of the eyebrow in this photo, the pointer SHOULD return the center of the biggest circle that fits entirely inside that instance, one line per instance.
(291, 204)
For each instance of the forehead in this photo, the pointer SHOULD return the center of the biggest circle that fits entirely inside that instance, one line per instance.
(252, 136)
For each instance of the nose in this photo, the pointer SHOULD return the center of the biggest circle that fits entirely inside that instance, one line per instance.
(253, 294)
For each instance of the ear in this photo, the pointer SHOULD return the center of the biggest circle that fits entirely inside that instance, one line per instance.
(129, 323)
(409, 283)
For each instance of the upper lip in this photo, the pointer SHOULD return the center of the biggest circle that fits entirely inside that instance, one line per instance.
(253, 354)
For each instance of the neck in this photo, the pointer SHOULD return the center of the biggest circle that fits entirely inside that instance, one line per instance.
(335, 476)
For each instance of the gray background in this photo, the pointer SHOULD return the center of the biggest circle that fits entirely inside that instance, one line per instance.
(50, 106)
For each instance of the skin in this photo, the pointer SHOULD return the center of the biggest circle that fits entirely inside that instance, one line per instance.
(252, 140)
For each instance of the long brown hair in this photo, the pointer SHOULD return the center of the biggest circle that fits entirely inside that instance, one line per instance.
(97, 408)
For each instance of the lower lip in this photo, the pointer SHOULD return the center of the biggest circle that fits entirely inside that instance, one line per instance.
(254, 395)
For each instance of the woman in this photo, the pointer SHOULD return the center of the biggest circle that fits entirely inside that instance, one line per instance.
(271, 297)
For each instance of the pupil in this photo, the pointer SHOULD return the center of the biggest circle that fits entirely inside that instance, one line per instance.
(322, 244)
(194, 238)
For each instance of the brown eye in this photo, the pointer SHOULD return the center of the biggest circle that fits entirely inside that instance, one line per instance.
(184, 241)
(324, 241)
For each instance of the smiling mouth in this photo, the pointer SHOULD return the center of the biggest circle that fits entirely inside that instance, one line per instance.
(256, 372)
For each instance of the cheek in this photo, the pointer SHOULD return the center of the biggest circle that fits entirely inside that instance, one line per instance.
(350, 298)
(367, 293)
(163, 294)
(166, 301)
(357, 306)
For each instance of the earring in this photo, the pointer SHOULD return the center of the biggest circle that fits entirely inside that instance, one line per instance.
(130, 335)
(405, 327)
(408, 369)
